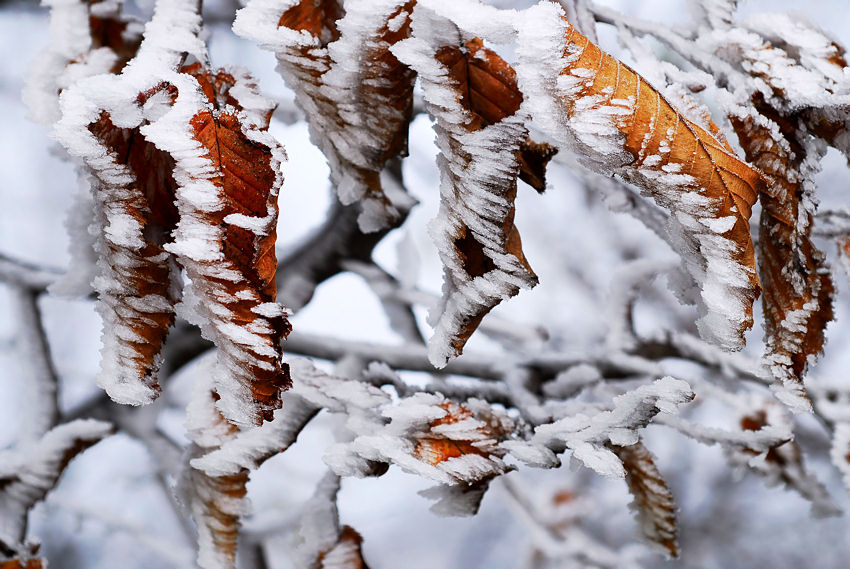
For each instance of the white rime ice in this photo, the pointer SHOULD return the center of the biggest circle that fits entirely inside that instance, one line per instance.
(478, 172)
(356, 102)
(312, 391)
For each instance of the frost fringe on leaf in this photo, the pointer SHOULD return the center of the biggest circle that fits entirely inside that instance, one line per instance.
(472, 95)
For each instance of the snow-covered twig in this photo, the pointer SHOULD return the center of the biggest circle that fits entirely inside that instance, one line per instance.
(28, 275)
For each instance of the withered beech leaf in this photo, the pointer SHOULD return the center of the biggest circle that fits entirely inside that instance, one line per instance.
(434, 448)
(236, 280)
(217, 502)
(653, 502)
(472, 94)
(594, 105)
(356, 96)
(136, 286)
(795, 280)
(346, 553)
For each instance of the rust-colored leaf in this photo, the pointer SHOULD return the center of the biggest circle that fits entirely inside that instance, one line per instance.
(357, 97)
(137, 290)
(488, 89)
(653, 502)
(247, 181)
(434, 447)
(316, 17)
(796, 282)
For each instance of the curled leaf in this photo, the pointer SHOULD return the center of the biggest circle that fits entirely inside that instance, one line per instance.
(357, 97)
(472, 94)
(796, 282)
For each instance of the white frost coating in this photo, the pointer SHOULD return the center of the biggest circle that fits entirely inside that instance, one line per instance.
(588, 126)
(29, 472)
(586, 434)
(790, 58)
(478, 184)
(784, 464)
(215, 501)
(353, 108)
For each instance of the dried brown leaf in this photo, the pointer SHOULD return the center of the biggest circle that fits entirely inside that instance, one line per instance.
(247, 181)
(653, 501)
(620, 125)
(479, 244)
(796, 282)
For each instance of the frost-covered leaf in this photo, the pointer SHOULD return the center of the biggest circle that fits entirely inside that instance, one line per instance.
(619, 124)
(196, 140)
(28, 473)
(227, 200)
(428, 435)
(357, 97)
(472, 94)
(216, 501)
(782, 463)
(795, 279)
(346, 552)
(133, 193)
(653, 502)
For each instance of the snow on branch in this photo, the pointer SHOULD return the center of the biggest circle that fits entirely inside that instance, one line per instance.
(588, 433)
(29, 472)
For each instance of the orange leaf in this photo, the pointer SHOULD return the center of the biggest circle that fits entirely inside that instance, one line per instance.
(357, 97)
(488, 89)
(620, 125)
